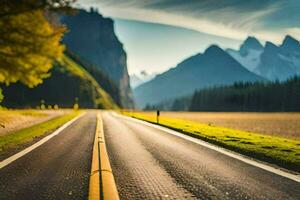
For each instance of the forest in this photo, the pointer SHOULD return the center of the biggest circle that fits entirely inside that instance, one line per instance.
(261, 96)
(276, 96)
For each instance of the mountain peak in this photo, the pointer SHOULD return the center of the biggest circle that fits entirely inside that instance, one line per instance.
(214, 67)
(270, 45)
(290, 42)
(213, 49)
(251, 43)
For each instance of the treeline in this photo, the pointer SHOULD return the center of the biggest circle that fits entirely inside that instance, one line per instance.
(178, 104)
(241, 96)
(269, 96)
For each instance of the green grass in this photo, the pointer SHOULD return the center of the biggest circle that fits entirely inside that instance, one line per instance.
(17, 139)
(102, 97)
(10, 115)
(277, 150)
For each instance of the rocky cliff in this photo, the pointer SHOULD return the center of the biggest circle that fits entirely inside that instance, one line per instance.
(92, 37)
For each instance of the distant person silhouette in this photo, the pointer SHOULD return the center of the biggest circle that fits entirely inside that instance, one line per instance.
(157, 116)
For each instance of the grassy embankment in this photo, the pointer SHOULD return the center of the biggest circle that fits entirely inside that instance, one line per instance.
(17, 140)
(281, 124)
(101, 98)
(277, 150)
(8, 116)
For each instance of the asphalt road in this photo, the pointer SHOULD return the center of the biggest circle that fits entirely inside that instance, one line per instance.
(151, 164)
(58, 169)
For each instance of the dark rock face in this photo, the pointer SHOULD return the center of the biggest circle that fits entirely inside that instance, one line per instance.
(249, 53)
(250, 43)
(214, 67)
(290, 44)
(280, 62)
(92, 37)
(272, 66)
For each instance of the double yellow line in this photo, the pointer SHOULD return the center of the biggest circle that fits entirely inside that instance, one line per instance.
(102, 184)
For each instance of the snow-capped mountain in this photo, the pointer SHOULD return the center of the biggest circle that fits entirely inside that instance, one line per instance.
(290, 51)
(274, 64)
(212, 68)
(142, 77)
(135, 80)
(215, 67)
(249, 53)
(271, 61)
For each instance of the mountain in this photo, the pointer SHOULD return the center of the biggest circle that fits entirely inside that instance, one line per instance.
(92, 38)
(142, 77)
(67, 82)
(273, 65)
(135, 81)
(250, 43)
(271, 61)
(212, 68)
(290, 44)
(248, 54)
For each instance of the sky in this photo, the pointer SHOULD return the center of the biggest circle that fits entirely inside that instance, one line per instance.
(158, 34)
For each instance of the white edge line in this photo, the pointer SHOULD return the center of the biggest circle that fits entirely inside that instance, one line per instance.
(268, 168)
(16, 156)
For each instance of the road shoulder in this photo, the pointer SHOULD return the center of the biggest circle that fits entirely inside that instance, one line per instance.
(18, 144)
(266, 166)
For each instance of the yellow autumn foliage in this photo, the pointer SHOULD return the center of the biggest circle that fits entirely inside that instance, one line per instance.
(28, 46)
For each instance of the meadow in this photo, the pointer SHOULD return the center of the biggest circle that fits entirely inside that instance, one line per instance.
(271, 147)
(277, 124)
(15, 140)
(13, 120)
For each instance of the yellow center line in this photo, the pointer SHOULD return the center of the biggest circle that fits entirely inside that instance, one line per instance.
(102, 183)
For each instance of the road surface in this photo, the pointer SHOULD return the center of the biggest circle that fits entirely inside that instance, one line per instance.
(151, 164)
(58, 169)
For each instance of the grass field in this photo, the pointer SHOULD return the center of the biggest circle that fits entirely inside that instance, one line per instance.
(282, 151)
(18, 139)
(13, 120)
(278, 124)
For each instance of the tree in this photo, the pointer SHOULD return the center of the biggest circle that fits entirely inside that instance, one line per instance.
(260, 96)
(15, 7)
(1, 96)
(28, 45)
(29, 39)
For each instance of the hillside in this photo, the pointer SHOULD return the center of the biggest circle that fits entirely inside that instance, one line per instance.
(68, 81)
(212, 68)
(102, 79)
(93, 39)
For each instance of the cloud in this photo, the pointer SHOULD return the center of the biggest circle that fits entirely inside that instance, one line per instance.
(234, 19)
